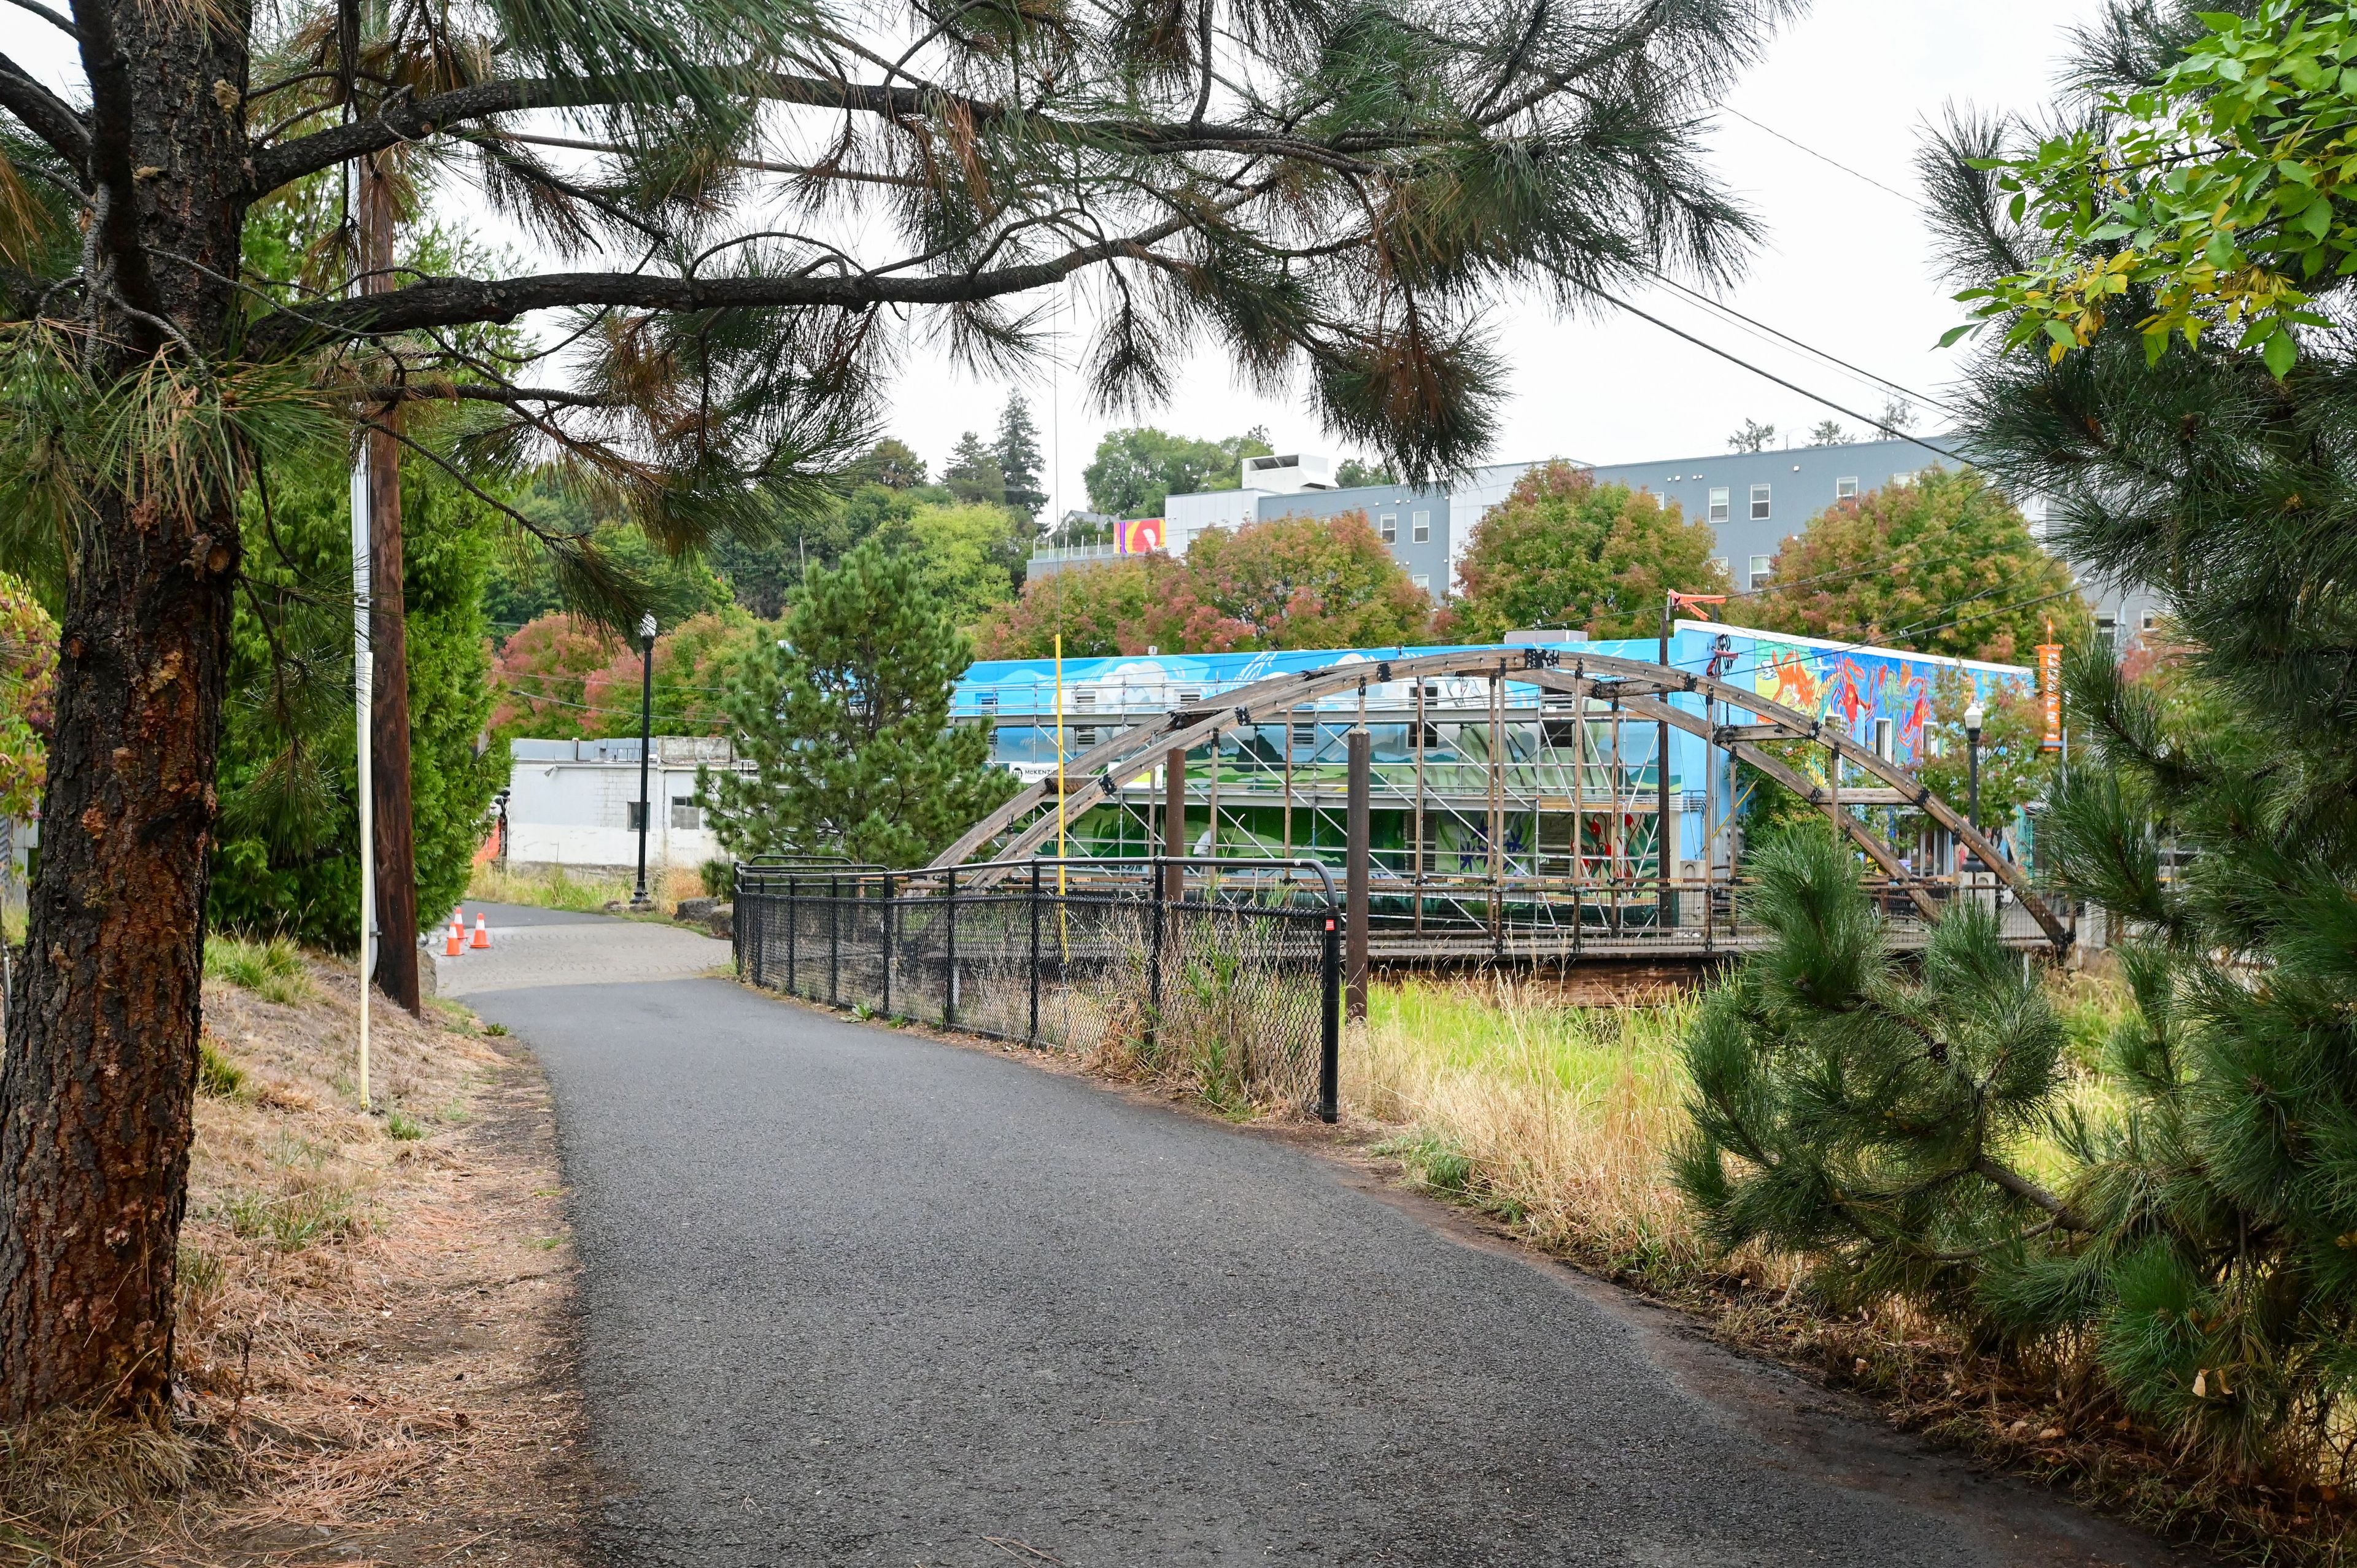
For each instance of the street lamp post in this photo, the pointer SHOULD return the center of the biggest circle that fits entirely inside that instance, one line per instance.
(1973, 717)
(646, 744)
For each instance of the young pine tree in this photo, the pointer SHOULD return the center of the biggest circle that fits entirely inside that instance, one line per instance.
(846, 719)
(1861, 1115)
(2204, 1255)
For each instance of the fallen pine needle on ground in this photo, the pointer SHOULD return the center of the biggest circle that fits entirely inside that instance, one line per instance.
(374, 1362)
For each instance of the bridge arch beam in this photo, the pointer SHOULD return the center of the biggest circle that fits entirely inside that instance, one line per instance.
(1641, 689)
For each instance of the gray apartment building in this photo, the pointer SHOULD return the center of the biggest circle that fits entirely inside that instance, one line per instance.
(1753, 501)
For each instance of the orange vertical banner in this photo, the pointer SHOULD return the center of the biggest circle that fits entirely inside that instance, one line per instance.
(2049, 692)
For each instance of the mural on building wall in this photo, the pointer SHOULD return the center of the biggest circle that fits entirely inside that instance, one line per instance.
(1855, 688)
(1140, 536)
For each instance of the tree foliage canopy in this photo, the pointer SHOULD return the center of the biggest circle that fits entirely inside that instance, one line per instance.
(1137, 470)
(1941, 565)
(1561, 550)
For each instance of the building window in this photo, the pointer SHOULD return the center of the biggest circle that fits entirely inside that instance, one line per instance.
(1305, 734)
(1884, 740)
(1389, 528)
(1719, 505)
(1759, 503)
(1083, 698)
(1420, 528)
(1762, 567)
(1084, 737)
(686, 813)
(1424, 581)
(2107, 633)
(1844, 488)
(635, 817)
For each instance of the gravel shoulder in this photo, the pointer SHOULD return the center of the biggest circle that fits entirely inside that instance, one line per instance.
(854, 1296)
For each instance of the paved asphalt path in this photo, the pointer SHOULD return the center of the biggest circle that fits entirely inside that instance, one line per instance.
(852, 1297)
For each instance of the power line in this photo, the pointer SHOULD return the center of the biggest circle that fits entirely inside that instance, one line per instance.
(1911, 202)
(1730, 312)
(1735, 359)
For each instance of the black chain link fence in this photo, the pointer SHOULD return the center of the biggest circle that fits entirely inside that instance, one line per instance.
(1225, 980)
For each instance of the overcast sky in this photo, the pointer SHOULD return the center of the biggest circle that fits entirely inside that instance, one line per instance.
(1845, 265)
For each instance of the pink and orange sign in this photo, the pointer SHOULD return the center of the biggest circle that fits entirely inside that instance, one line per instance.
(1141, 536)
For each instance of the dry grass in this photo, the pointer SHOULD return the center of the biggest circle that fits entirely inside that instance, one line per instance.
(371, 1361)
(583, 891)
(1554, 1119)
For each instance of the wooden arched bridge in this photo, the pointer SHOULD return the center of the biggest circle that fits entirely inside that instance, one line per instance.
(1531, 805)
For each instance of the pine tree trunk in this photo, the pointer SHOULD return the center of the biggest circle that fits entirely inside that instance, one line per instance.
(99, 1076)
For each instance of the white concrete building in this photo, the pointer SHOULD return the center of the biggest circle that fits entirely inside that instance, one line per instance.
(575, 802)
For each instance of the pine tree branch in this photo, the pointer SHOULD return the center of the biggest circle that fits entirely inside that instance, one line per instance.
(44, 114)
(412, 120)
(2029, 1192)
(457, 302)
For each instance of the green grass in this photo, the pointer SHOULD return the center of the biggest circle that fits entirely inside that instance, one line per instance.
(216, 1075)
(270, 967)
(291, 1222)
(401, 1125)
(547, 887)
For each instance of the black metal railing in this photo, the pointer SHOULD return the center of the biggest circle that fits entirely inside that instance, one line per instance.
(1226, 977)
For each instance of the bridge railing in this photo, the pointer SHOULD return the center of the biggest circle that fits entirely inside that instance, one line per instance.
(1227, 978)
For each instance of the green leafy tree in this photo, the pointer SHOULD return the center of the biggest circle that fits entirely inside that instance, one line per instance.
(1291, 582)
(1137, 470)
(1561, 550)
(1942, 563)
(287, 776)
(846, 719)
(1100, 608)
(2207, 194)
(966, 558)
(1326, 195)
(1753, 437)
(1018, 452)
(889, 462)
(1355, 471)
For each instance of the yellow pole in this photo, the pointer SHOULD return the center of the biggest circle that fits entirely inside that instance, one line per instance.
(1060, 764)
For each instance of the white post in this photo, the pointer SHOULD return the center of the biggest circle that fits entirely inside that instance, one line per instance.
(361, 683)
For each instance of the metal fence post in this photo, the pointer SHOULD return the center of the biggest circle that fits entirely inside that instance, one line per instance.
(1035, 951)
(793, 931)
(949, 949)
(1329, 1040)
(835, 942)
(1158, 929)
(888, 924)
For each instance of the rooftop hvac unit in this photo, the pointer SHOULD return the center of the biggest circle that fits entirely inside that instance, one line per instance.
(1297, 472)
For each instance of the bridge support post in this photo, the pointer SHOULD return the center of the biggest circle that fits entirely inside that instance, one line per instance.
(1174, 824)
(1361, 771)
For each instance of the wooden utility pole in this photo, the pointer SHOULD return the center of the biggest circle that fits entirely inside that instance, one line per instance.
(395, 844)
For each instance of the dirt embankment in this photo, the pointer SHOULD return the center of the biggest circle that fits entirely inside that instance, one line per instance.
(375, 1359)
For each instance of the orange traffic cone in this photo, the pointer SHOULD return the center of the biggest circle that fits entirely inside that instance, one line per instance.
(455, 944)
(482, 932)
